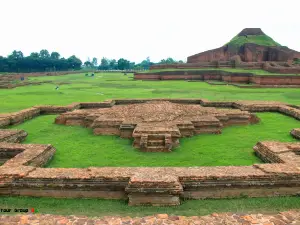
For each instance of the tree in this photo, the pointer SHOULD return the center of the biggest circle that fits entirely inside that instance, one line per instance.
(34, 55)
(104, 65)
(95, 62)
(88, 64)
(167, 61)
(44, 53)
(113, 65)
(123, 64)
(145, 64)
(38, 62)
(74, 62)
(16, 55)
(131, 65)
(55, 55)
(4, 64)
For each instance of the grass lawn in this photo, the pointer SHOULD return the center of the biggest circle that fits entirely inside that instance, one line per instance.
(99, 207)
(78, 88)
(78, 147)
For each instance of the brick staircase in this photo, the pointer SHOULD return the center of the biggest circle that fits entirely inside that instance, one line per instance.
(156, 139)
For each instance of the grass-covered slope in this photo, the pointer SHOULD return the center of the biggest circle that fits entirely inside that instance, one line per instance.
(239, 41)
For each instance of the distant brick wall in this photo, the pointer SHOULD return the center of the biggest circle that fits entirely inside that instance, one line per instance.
(221, 76)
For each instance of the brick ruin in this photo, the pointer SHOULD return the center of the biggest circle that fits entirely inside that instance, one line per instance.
(274, 59)
(248, 52)
(296, 133)
(156, 125)
(223, 76)
(22, 172)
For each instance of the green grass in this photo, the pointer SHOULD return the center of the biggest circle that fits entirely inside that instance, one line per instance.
(114, 85)
(264, 40)
(78, 147)
(99, 207)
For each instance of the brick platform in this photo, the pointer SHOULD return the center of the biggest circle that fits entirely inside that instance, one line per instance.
(155, 125)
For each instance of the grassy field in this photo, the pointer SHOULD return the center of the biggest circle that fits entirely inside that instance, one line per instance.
(78, 88)
(233, 147)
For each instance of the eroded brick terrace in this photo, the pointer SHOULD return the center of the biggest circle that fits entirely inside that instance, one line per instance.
(156, 125)
(22, 172)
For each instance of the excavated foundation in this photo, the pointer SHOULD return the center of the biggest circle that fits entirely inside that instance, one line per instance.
(22, 172)
(156, 126)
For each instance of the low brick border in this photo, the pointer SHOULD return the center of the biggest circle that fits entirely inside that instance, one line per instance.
(247, 86)
(22, 175)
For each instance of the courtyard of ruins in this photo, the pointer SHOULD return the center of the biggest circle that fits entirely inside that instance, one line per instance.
(155, 125)
(156, 147)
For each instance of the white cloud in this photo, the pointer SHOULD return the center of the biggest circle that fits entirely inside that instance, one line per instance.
(135, 29)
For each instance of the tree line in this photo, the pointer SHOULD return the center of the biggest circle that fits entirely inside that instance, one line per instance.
(124, 64)
(38, 62)
(44, 61)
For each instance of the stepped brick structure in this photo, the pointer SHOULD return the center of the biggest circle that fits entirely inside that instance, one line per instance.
(248, 52)
(22, 172)
(156, 125)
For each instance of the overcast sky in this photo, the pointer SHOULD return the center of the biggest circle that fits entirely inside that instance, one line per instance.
(136, 29)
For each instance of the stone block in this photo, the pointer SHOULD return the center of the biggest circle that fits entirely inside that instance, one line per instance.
(296, 133)
(12, 135)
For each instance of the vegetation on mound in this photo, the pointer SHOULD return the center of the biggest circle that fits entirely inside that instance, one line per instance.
(297, 61)
(101, 207)
(232, 147)
(239, 41)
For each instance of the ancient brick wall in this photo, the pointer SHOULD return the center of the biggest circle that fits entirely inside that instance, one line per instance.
(209, 56)
(255, 53)
(221, 76)
(282, 68)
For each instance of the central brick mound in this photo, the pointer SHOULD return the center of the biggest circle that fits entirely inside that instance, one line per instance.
(156, 125)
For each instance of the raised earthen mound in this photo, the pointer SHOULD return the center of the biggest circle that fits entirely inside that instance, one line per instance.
(252, 45)
(156, 125)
